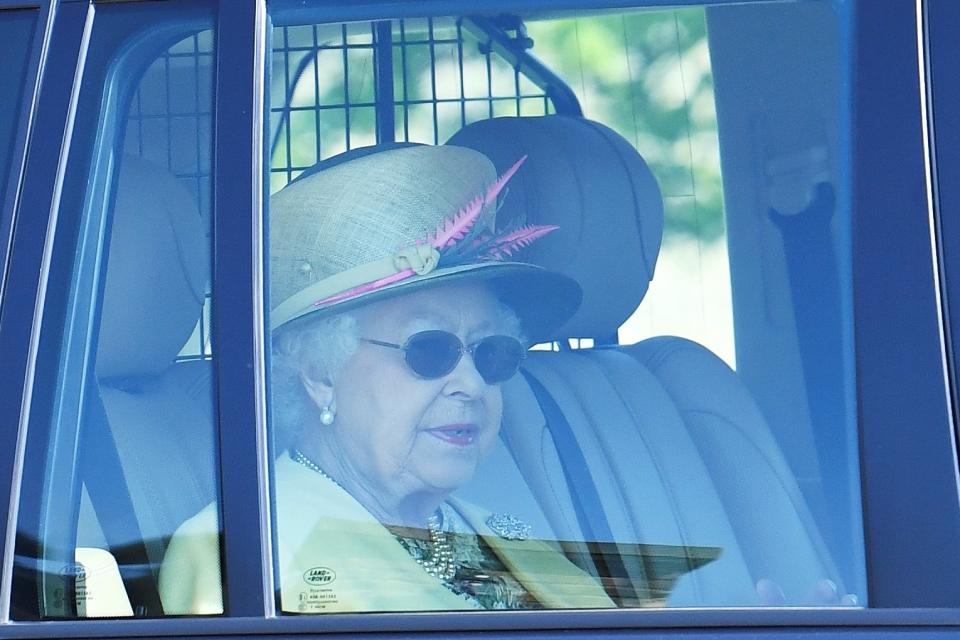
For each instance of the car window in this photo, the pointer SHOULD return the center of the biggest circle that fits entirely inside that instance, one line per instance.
(121, 448)
(560, 312)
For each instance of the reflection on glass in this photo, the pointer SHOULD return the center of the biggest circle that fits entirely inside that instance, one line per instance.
(618, 466)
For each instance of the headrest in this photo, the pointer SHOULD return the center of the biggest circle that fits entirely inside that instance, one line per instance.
(586, 178)
(157, 270)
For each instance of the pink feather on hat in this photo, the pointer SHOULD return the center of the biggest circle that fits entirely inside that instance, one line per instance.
(458, 241)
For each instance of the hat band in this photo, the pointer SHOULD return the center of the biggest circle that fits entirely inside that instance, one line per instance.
(410, 261)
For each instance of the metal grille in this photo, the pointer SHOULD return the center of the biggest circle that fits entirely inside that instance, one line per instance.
(334, 87)
(338, 87)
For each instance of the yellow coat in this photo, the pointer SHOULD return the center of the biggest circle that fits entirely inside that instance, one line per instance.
(335, 557)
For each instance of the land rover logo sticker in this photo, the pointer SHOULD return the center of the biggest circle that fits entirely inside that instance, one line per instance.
(319, 575)
(76, 571)
(319, 594)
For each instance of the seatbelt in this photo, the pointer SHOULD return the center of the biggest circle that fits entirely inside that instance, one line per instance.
(107, 486)
(583, 492)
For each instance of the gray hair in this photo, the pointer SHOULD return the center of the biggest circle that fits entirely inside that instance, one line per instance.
(320, 349)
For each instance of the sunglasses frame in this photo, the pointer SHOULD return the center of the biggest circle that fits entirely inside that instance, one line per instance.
(464, 348)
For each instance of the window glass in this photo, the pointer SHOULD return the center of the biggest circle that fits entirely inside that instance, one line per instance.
(121, 446)
(524, 357)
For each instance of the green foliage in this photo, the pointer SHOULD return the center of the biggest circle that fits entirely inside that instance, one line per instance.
(645, 74)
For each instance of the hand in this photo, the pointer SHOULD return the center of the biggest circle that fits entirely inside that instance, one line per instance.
(823, 594)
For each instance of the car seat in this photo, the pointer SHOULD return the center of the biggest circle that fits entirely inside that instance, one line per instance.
(660, 435)
(148, 449)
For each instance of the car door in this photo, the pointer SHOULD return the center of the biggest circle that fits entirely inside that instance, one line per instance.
(801, 151)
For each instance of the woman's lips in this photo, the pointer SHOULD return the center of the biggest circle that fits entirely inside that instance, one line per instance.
(460, 434)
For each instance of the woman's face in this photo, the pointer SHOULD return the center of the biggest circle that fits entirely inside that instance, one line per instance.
(396, 434)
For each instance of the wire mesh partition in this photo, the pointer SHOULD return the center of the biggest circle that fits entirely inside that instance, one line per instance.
(336, 87)
(169, 120)
(644, 73)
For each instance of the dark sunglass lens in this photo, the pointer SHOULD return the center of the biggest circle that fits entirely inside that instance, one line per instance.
(432, 354)
(497, 358)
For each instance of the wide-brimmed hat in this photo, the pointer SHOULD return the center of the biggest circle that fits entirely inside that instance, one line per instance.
(380, 222)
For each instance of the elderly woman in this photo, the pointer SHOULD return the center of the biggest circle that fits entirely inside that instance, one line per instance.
(397, 318)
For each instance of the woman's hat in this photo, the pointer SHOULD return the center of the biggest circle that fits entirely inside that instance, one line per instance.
(374, 223)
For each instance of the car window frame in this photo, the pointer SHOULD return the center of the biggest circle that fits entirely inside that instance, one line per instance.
(24, 121)
(885, 395)
(899, 311)
(29, 253)
(79, 117)
(942, 93)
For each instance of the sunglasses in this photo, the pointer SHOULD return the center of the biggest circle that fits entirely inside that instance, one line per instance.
(434, 353)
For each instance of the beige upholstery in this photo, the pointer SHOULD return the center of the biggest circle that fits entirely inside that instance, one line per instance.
(159, 412)
(677, 449)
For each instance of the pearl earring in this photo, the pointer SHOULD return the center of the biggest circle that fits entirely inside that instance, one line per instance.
(326, 416)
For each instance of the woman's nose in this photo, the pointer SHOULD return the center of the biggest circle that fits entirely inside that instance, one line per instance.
(465, 380)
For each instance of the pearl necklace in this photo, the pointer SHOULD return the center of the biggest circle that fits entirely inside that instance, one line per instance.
(298, 456)
(439, 563)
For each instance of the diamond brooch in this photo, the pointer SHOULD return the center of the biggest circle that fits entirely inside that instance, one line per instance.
(508, 527)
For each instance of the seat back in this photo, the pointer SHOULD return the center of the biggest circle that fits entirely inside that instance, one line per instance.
(675, 448)
(155, 434)
(761, 497)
